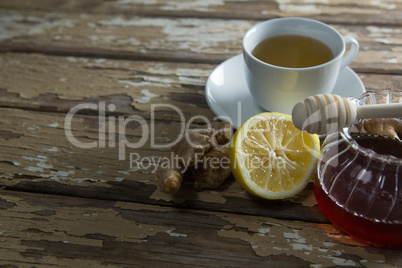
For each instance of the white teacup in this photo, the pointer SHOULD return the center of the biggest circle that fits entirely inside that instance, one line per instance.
(277, 88)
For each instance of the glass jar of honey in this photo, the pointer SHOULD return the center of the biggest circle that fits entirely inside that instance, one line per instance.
(359, 180)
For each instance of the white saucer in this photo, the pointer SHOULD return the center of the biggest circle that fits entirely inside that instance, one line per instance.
(228, 96)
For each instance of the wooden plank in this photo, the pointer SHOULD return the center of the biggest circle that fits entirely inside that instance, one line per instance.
(38, 156)
(334, 11)
(57, 84)
(62, 231)
(135, 224)
(168, 39)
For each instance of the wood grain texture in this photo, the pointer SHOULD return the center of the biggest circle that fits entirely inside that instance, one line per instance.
(334, 11)
(62, 205)
(37, 156)
(169, 39)
(57, 84)
(63, 231)
(48, 87)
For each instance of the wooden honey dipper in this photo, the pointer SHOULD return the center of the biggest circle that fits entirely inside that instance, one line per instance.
(326, 113)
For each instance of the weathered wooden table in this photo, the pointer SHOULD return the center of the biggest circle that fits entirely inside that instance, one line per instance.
(104, 61)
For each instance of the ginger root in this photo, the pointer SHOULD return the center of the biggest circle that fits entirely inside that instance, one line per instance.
(391, 127)
(214, 169)
(384, 127)
(196, 149)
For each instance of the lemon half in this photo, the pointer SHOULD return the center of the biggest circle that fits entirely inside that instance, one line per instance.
(271, 158)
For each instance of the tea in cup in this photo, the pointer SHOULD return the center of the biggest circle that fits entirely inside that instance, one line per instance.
(290, 59)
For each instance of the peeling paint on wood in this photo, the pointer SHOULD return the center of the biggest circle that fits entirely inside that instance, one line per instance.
(334, 10)
(171, 39)
(327, 7)
(91, 80)
(64, 168)
(61, 205)
(54, 229)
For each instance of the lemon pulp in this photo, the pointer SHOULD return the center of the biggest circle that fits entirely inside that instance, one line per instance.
(271, 158)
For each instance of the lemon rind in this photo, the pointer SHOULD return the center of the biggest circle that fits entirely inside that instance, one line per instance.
(244, 177)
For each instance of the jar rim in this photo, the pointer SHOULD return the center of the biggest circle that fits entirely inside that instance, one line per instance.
(368, 152)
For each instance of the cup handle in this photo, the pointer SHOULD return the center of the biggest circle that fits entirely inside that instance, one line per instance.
(352, 51)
